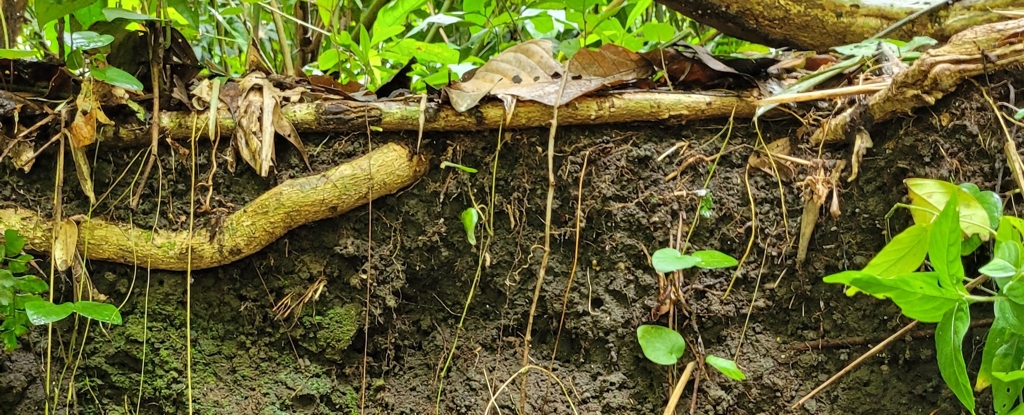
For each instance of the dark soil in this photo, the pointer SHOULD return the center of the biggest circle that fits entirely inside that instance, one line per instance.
(412, 249)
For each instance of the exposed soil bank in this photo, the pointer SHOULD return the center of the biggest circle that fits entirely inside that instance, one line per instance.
(412, 248)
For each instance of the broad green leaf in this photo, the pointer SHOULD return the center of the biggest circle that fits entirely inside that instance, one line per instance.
(660, 344)
(1014, 290)
(86, 40)
(470, 217)
(17, 53)
(21, 299)
(117, 77)
(87, 16)
(949, 337)
(726, 366)
(917, 294)
(998, 268)
(45, 312)
(657, 32)
(667, 260)
(903, 254)
(395, 12)
(19, 265)
(189, 10)
(104, 312)
(713, 259)
(6, 278)
(380, 34)
(6, 297)
(639, 8)
(998, 334)
(1007, 358)
(1014, 376)
(930, 196)
(328, 59)
(990, 201)
(1012, 313)
(944, 247)
(111, 14)
(10, 340)
(13, 242)
(49, 10)
(30, 284)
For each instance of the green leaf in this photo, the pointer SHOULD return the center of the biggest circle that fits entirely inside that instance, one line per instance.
(917, 294)
(49, 10)
(6, 297)
(998, 268)
(16, 53)
(660, 344)
(969, 245)
(726, 366)
(30, 284)
(117, 77)
(45, 312)
(328, 59)
(903, 254)
(944, 247)
(1007, 358)
(6, 278)
(111, 14)
(713, 259)
(1014, 290)
(19, 265)
(470, 217)
(9, 339)
(104, 312)
(639, 8)
(930, 196)
(86, 40)
(949, 337)
(21, 299)
(14, 243)
(188, 9)
(998, 335)
(1019, 115)
(395, 12)
(657, 32)
(667, 260)
(1012, 313)
(1014, 376)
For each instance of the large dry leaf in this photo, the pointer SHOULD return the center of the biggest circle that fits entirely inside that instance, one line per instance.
(259, 117)
(528, 71)
(83, 171)
(83, 128)
(780, 147)
(64, 247)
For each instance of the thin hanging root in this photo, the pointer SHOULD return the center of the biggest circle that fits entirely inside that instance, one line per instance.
(289, 205)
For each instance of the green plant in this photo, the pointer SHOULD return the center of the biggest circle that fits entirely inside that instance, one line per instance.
(665, 346)
(667, 260)
(20, 302)
(951, 221)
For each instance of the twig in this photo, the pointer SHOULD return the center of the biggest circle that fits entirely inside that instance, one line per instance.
(678, 391)
(862, 340)
(938, 5)
(156, 66)
(824, 94)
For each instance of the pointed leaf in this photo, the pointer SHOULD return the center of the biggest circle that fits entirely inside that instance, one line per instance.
(726, 366)
(104, 312)
(469, 220)
(944, 246)
(989, 200)
(903, 254)
(949, 337)
(931, 196)
(667, 260)
(714, 259)
(117, 77)
(918, 294)
(660, 344)
(45, 312)
(13, 242)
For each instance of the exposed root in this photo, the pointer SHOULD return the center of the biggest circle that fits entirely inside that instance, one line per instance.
(291, 204)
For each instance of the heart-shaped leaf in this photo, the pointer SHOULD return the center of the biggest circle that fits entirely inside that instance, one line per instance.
(660, 344)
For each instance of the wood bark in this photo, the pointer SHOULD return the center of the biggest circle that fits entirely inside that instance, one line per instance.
(822, 24)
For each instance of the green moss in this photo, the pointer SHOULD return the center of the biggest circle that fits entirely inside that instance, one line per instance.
(332, 331)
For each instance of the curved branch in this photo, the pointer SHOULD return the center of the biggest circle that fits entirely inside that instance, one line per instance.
(291, 204)
(819, 25)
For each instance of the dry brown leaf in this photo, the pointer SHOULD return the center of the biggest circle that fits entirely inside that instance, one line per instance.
(860, 147)
(259, 117)
(65, 245)
(83, 128)
(785, 169)
(528, 71)
(22, 155)
(83, 172)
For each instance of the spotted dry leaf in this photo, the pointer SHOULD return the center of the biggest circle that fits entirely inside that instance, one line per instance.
(258, 118)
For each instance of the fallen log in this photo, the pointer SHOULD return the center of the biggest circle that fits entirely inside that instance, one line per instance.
(291, 204)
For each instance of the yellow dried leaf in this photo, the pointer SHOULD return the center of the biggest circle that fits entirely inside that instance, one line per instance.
(64, 247)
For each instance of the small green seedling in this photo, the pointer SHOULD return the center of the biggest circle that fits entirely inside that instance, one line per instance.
(21, 304)
(951, 221)
(470, 217)
(666, 260)
(726, 366)
(660, 344)
(445, 164)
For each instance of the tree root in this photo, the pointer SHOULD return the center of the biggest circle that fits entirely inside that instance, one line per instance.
(293, 203)
(938, 72)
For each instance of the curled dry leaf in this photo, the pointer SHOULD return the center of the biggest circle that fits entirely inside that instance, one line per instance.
(860, 147)
(258, 118)
(760, 160)
(83, 128)
(64, 247)
(22, 155)
(528, 71)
